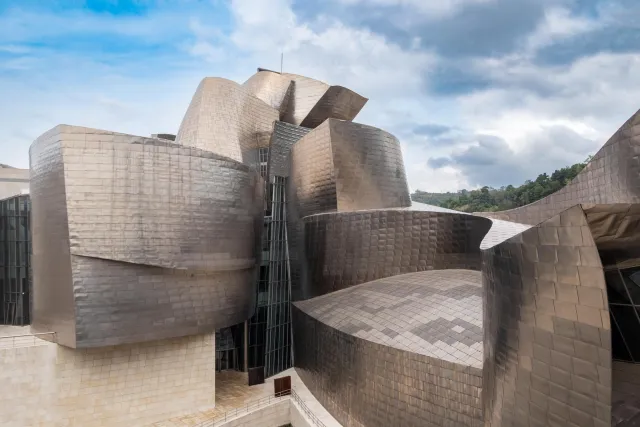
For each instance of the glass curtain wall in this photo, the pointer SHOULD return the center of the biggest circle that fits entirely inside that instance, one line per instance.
(15, 260)
(623, 290)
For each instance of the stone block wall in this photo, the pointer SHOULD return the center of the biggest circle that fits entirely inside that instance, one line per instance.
(128, 385)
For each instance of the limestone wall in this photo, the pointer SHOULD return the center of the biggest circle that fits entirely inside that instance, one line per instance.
(129, 385)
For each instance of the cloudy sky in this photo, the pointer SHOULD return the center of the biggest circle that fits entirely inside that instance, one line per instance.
(480, 92)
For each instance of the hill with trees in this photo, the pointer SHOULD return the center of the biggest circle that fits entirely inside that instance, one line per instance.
(503, 198)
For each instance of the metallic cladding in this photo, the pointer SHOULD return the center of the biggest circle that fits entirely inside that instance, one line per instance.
(434, 313)
(148, 239)
(305, 95)
(364, 383)
(338, 103)
(271, 87)
(284, 136)
(349, 248)
(345, 166)
(612, 176)
(224, 118)
(547, 338)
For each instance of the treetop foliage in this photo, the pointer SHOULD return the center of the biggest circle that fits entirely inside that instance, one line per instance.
(488, 199)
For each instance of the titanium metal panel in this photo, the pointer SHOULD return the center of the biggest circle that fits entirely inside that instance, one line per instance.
(373, 357)
(547, 337)
(305, 95)
(338, 103)
(150, 239)
(435, 313)
(226, 119)
(612, 176)
(284, 136)
(271, 87)
(349, 248)
(345, 166)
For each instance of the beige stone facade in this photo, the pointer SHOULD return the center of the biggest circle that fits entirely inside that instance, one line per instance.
(45, 384)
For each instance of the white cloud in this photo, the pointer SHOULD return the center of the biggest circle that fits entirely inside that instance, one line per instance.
(432, 9)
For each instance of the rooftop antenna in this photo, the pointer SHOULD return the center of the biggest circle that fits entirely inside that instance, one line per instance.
(281, 61)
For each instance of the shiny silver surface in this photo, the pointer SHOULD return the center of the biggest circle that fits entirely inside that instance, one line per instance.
(402, 351)
(612, 176)
(547, 334)
(284, 136)
(435, 313)
(138, 239)
(337, 103)
(225, 119)
(312, 102)
(305, 95)
(344, 166)
(349, 248)
(271, 87)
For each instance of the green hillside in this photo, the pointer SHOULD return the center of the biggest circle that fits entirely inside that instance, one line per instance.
(498, 199)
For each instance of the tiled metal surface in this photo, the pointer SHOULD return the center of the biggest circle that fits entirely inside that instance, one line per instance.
(547, 339)
(499, 232)
(345, 166)
(612, 176)
(433, 313)
(283, 137)
(138, 239)
(305, 95)
(349, 248)
(226, 119)
(338, 103)
(313, 101)
(365, 383)
(271, 87)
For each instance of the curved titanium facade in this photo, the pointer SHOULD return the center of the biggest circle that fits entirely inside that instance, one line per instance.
(337, 103)
(138, 239)
(547, 337)
(225, 119)
(271, 87)
(612, 176)
(312, 102)
(344, 166)
(402, 351)
(349, 248)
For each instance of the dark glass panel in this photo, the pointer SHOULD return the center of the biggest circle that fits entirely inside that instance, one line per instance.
(627, 321)
(616, 290)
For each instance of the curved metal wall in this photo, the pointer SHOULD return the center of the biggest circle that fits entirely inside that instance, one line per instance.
(401, 351)
(345, 166)
(337, 103)
(312, 102)
(348, 248)
(119, 216)
(224, 118)
(547, 337)
(612, 176)
(271, 87)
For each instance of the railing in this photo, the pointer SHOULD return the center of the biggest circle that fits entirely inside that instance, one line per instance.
(262, 403)
(295, 396)
(28, 340)
(244, 409)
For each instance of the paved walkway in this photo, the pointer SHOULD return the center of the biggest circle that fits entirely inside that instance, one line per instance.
(232, 392)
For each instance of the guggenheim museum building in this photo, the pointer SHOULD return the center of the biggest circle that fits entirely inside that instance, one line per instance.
(280, 232)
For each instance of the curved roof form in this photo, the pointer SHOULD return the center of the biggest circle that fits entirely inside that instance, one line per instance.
(312, 102)
(224, 118)
(500, 230)
(271, 87)
(612, 176)
(433, 313)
